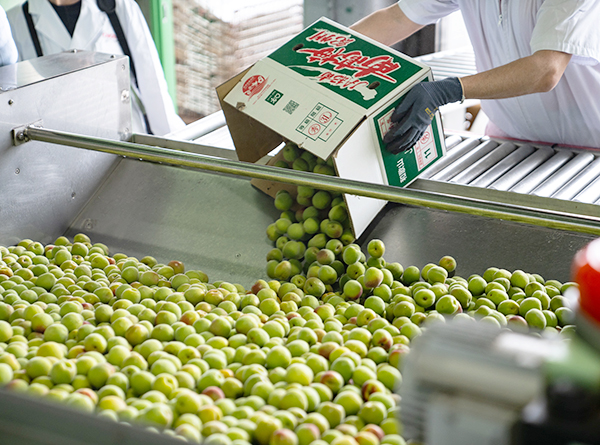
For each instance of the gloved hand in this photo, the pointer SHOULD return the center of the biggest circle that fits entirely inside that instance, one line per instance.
(416, 111)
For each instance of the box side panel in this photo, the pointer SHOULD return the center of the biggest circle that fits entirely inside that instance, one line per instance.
(403, 168)
(297, 108)
(358, 159)
(252, 139)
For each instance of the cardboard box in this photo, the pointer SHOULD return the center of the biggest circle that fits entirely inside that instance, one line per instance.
(331, 91)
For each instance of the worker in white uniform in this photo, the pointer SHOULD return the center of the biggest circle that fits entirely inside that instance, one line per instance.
(63, 25)
(537, 60)
(8, 50)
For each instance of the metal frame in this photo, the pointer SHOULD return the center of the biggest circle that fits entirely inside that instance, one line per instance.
(500, 210)
(25, 420)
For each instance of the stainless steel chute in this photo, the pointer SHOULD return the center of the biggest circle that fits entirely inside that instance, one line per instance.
(156, 209)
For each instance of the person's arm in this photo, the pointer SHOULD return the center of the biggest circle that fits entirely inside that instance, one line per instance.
(538, 73)
(388, 25)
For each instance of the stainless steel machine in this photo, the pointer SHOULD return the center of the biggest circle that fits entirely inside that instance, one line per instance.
(69, 164)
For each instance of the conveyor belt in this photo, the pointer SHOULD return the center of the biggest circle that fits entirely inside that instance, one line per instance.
(551, 172)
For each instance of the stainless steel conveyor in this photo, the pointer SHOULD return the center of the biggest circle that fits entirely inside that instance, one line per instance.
(214, 220)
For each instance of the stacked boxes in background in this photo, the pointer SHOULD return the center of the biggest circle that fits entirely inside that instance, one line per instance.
(213, 45)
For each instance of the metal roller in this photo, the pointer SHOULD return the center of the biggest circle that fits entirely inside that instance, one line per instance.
(579, 182)
(469, 158)
(454, 154)
(512, 177)
(503, 166)
(541, 173)
(453, 141)
(591, 194)
(484, 164)
(563, 175)
(199, 128)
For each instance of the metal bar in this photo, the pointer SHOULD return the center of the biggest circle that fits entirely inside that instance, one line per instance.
(503, 166)
(506, 181)
(541, 217)
(484, 164)
(541, 173)
(580, 182)
(564, 175)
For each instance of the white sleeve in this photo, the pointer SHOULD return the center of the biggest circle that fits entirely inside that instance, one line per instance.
(424, 12)
(570, 26)
(8, 49)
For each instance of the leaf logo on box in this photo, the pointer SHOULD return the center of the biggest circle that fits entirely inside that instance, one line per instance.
(254, 85)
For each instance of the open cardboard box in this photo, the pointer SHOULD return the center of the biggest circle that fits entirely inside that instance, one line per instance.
(331, 91)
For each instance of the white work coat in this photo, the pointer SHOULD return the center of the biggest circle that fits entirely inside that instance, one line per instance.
(8, 50)
(94, 32)
(502, 31)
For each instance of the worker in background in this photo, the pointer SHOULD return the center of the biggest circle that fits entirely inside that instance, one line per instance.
(60, 25)
(537, 62)
(8, 50)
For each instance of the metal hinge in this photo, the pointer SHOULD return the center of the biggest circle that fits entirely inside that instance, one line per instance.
(19, 134)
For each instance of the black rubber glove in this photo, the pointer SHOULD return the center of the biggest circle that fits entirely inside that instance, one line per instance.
(416, 111)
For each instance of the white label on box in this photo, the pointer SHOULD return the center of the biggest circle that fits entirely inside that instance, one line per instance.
(320, 123)
(425, 151)
(385, 122)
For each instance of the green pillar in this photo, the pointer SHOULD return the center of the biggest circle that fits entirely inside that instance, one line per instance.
(159, 15)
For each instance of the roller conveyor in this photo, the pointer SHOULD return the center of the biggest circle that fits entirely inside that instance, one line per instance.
(503, 166)
(591, 194)
(465, 161)
(563, 175)
(485, 163)
(580, 181)
(540, 174)
(522, 169)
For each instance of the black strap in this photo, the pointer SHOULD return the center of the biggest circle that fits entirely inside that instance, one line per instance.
(32, 31)
(110, 8)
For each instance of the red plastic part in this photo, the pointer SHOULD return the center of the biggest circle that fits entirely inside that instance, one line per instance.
(586, 272)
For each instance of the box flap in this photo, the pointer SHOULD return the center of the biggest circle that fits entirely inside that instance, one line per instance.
(252, 139)
(403, 168)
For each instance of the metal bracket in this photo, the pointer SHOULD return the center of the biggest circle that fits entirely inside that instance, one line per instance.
(19, 134)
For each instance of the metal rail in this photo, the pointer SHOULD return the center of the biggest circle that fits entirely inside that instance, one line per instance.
(541, 217)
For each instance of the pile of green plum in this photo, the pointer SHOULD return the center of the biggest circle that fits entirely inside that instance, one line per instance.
(309, 356)
(315, 251)
(155, 345)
